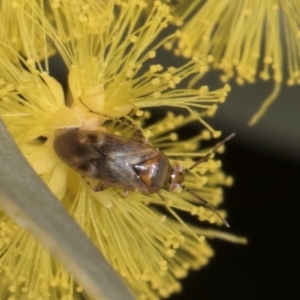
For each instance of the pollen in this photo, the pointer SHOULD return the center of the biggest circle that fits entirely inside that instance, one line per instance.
(152, 54)
(156, 81)
(156, 68)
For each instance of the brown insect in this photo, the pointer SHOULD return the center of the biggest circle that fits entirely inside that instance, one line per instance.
(126, 163)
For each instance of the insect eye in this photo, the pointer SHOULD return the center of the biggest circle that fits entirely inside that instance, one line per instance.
(177, 176)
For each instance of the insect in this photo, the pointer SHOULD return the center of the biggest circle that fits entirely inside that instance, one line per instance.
(125, 163)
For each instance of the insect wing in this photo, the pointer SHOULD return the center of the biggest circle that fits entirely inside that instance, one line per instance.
(109, 158)
(128, 151)
(122, 155)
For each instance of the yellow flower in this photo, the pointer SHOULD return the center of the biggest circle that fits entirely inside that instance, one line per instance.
(107, 50)
(244, 39)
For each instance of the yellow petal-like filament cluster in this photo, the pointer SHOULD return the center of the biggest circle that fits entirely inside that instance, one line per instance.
(246, 40)
(243, 38)
(16, 32)
(27, 270)
(107, 47)
(109, 52)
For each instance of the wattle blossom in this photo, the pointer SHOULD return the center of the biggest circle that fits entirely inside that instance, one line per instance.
(108, 49)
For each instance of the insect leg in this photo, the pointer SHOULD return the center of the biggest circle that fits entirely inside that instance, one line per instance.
(98, 187)
(138, 133)
(124, 194)
(139, 137)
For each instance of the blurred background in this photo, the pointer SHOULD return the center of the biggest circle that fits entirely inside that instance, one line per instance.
(263, 204)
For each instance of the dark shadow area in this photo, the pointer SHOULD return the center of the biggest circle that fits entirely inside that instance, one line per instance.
(263, 205)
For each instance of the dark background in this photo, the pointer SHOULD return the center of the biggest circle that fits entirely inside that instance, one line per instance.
(262, 205)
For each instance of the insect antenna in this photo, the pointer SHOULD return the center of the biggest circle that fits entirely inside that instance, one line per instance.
(202, 160)
(138, 134)
(206, 204)
(108, 116)
(206, 157)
